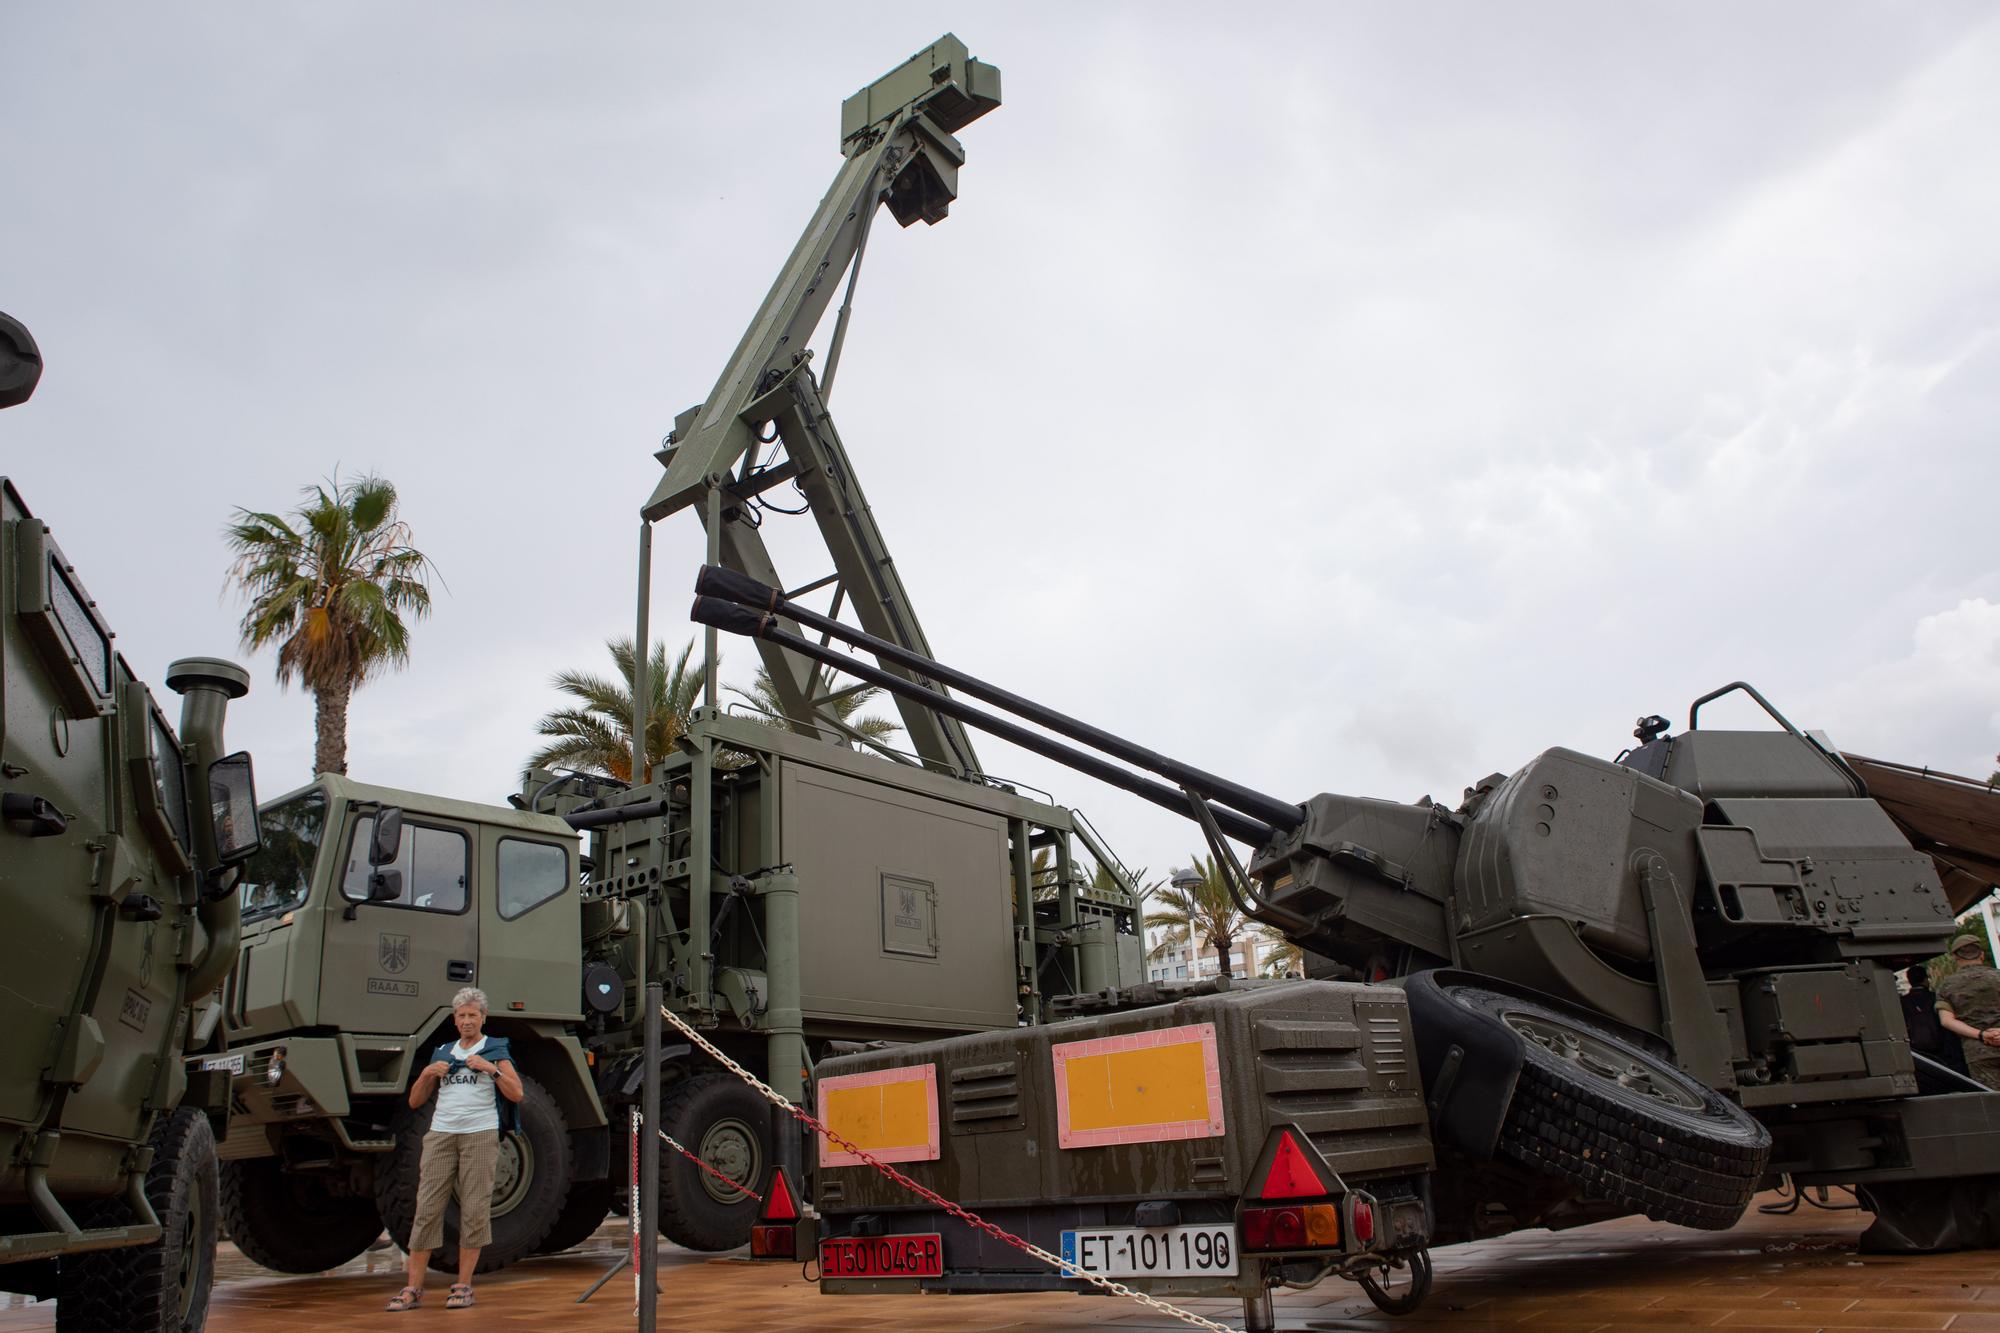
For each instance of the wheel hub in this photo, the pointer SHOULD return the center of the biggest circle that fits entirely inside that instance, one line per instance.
(731, 1147)
(1602, 1059)
(512, 1171)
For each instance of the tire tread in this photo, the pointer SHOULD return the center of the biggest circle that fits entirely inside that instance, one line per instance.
(136, 1289)
(1610, 1151)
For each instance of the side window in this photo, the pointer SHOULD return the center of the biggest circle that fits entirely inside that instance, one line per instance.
(436, 865)
(531, 873)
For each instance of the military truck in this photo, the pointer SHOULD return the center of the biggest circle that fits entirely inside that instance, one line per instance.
(794, 884)
(855, 900)
(117, 838)
(1640, 985)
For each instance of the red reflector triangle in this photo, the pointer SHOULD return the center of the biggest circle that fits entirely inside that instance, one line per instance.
(1291, 1176)
(778, 1205)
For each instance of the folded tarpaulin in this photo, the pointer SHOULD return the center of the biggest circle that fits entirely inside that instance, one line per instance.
(1955, 820)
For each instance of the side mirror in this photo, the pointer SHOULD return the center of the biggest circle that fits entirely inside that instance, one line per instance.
(20, 362)
(388, 840)
(385, 886)
(232, 798)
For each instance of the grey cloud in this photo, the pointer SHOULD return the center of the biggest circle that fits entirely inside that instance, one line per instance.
(1346, 398)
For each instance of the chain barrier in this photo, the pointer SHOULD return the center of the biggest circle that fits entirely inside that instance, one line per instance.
(1055, 1261)
(635, 1214)
(673, 1143)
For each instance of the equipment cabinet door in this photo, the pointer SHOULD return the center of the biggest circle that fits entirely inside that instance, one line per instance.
(397, 963)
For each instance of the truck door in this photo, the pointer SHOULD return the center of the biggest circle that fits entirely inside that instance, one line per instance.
(390, 967)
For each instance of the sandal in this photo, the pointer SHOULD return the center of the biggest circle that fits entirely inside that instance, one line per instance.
(409, 1298)
(460, 1298)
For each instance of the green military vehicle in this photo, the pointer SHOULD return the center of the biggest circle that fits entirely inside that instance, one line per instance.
(854, 900)
(793, 884)
(1646, 985)
(117, 835)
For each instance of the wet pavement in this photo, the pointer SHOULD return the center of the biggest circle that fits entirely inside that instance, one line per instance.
(1775, 1272)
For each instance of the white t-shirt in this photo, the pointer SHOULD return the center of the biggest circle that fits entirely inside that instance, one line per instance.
(467, 1100)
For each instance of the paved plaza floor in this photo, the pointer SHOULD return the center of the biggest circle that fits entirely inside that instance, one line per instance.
(1775, 1272)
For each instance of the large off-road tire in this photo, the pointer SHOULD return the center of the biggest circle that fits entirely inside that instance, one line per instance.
(163, 1287)
(529, 1185)
(718, 1118)
(1621, 1123)
(291, 1223)
(582, 1213)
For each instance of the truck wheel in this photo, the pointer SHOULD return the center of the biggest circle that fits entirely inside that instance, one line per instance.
(163, 1287)
(1621, 1123)
(582, 1213)
(291, 1223)
(529, 1185)
(723, 1122)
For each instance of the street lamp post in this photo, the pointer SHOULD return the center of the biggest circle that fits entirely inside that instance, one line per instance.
(1188, 881)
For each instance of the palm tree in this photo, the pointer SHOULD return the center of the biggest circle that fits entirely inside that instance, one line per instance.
(331, 584)
(763, 695)
(1104, 881)
(595, 734)
(1278, 956)
(1198, 903)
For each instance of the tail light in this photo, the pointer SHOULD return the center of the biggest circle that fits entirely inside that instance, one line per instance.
(1294, 1173)
(774, 1236)
(1361, 1222)
(772, 1242)
(1314, 1226)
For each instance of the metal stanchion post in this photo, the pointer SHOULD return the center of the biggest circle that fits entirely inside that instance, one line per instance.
(786, 1045)
(649, 1166)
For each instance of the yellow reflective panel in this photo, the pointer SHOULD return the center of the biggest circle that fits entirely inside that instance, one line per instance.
(888, 1115)
(1142, 1087)
(1159, 1085)
(891, 1113)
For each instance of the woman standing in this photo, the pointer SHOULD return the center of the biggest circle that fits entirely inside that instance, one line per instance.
(469, 1077)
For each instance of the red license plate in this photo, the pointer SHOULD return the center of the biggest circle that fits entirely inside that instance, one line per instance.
(882, 1256)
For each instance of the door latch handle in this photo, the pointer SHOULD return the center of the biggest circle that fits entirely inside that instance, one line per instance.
(458, 969)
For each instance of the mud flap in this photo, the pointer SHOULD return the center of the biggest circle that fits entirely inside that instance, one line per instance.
(1469, 1063)
(1930, 1216)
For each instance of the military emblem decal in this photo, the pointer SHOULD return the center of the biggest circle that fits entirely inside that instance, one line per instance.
(395, 953)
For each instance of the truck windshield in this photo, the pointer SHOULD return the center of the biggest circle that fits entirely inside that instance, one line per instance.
(278, 878)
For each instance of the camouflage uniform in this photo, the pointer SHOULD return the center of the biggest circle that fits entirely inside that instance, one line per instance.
(1973, 994)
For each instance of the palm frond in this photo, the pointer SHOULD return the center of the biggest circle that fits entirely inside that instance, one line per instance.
(600, 720)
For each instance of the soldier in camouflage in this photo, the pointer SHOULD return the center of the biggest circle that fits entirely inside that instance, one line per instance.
(1968, 1003)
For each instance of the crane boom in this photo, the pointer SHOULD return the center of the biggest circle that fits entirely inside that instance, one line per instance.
(898, 149)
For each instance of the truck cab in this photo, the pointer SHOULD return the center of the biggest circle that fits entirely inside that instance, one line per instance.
(473, 895)
(367, 910)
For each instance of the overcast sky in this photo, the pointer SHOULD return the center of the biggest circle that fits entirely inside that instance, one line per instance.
(1356, 398)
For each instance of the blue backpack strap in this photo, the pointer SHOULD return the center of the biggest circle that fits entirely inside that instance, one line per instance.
(498, 1049)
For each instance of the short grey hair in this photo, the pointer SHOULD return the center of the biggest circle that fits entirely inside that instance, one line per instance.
(472, 995)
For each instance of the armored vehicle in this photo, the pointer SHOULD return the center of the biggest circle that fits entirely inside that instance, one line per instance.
(1645, 984)
(117, 834)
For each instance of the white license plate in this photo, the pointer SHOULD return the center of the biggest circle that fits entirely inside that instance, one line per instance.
(1204, 1251)
(231, 1063)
